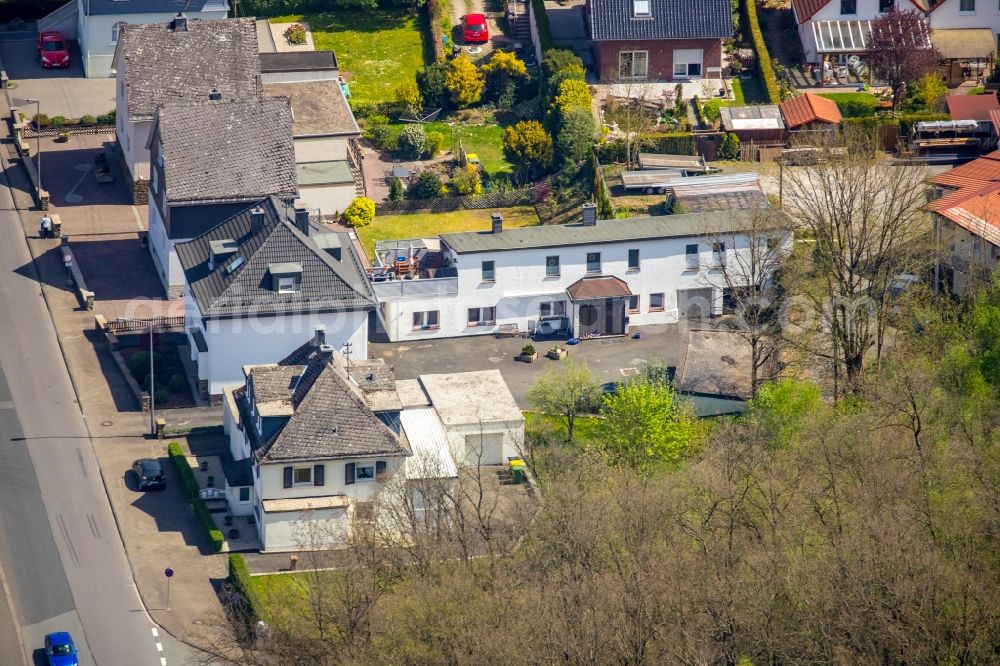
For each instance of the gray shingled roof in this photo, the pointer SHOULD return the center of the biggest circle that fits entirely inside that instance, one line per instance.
(605, 231)
(227, 150)
(164, 66)
(99, 7)
(668, 19)
(330, 420)
(327, 284)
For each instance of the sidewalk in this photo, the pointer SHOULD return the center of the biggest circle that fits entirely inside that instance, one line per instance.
(161, 532)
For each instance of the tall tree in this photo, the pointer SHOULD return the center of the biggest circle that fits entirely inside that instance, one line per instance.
(568, 391)
(900, 50)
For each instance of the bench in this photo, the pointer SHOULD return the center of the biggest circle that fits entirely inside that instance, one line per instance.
(508, 331)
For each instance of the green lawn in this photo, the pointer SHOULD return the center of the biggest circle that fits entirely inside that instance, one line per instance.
(424, 225)
(545, 424)
(486, 141)
(376, 50)
(854, 104)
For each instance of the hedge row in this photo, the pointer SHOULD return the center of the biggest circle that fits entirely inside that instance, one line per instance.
(204, 516)
(676, 143)
(542, 24)
(239, 578)
(434, 16)
(905, 121)
(764, 63)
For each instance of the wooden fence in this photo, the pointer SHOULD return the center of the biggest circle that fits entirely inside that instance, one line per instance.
(449, 204)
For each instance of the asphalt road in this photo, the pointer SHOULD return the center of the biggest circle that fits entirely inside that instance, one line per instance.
(64, 565)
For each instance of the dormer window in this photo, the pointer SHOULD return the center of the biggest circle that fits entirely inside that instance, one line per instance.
(286, 278)
(640, 7)
(218, 250)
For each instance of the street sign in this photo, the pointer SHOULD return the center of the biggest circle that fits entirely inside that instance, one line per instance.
(168, 572)
(67, 259)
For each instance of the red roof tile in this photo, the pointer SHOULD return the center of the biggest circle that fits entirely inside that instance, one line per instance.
(809, 108)
(805, 9)
(975, 204)
(972, 107)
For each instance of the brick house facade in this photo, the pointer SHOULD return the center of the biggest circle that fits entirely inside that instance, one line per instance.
(658, 40)
(660, 58)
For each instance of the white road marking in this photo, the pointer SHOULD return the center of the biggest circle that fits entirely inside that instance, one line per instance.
(138, 220)
(159, 647)
(163, 661)
(71, 196)
(155, 631)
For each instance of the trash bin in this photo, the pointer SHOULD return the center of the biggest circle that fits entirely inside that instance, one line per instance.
(517, 471)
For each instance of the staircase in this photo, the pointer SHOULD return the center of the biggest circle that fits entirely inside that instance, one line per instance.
(354, 158)
(520, 29)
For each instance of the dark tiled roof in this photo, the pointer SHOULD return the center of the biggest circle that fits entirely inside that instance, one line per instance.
(668, 19)
(227, 150)
(164, 66)
(100, 7)
(598, 287)
(238, 472)
(298, 61)
(272, 383)
(224, 291)
(330, 420)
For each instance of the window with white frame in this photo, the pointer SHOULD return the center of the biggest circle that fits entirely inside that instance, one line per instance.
(633, 64)
(302, 476)
(364, 472)
(719, 253)
(687, 63)
(656, 302)
(428, 319)
(482, 316)
(691, 256)
(552, 266)
(633, 303)
(633, 260)
(244, 494)
(885, 6)
(640, 7)
(489, 271)
(593, 262)
(116, 31)
(286, 285)
(967, 6)
(848, 7)
(552, 309)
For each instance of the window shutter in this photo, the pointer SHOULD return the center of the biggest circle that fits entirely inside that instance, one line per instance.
(318, 471)
(379, 468)
(349, 473)
(288, 477)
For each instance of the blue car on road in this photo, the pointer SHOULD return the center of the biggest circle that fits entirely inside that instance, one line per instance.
(60, 650)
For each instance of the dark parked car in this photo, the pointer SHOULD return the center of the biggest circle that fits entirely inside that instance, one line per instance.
(149, 474)
(59, 649)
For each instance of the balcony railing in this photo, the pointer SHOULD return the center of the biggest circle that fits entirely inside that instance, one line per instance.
(393, 289)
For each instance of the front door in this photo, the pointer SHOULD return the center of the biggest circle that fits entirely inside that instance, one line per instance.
(614, 316)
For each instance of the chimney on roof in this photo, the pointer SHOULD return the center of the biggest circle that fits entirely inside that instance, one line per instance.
(589, 214)
(215, 95)
(319, 339)
(497, 219)
(256, 219)
(180, 23)
(326, 353)
(302, 220)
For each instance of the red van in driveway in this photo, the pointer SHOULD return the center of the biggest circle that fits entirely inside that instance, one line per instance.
(52, 49)
(474, 30)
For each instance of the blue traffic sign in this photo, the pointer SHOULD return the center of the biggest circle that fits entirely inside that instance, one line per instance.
(168, 572)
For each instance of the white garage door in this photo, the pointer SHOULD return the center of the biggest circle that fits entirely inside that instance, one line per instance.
(294, 530)
(484, 449)
(688, 63)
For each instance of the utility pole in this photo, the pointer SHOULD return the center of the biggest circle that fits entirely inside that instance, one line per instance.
(38, 138)
(347, 352)
(152, 391)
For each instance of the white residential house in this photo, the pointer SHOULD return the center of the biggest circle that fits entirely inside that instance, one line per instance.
(210, 161)
(587, 279)
(177, 60)
(966, 214)
(481, 419)
(966, 32)
(317, 443)
(97, 24)
(260, 282)
(327, 161)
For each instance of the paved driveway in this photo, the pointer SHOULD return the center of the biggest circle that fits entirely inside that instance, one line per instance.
(63, 92)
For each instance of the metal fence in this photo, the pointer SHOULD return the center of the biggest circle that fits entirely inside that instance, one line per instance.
(118, 326)
(29, 132)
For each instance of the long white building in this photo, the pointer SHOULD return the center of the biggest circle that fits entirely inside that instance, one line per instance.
(593, 278)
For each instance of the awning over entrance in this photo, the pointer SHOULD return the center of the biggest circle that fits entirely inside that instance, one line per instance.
(841, 36)
(590, 288)
(964, 44)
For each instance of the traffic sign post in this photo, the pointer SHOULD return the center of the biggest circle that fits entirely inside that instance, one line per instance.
(169, 573)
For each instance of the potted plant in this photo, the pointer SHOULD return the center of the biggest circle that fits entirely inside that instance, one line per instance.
(528, 354)
(63, 136)
(557, 353)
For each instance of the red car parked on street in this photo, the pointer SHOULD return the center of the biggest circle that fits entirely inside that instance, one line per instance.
(52, 49)
(474, 30)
